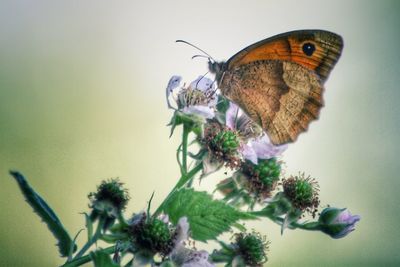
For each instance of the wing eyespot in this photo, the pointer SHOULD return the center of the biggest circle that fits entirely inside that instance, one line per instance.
(308, 48)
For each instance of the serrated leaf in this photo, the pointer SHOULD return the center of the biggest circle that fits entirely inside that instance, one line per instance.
(102, 259)
(207, 218)
(39, 205)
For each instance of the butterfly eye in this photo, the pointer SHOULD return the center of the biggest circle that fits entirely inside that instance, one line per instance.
(308, 49)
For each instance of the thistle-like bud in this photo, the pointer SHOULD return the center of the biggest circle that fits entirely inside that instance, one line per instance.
(337, 222)
(156, 235)
(261, 178)
(108, 201)
(226, 142)
(302, 192)
(222, 144)
(248, 249)
(251, 248)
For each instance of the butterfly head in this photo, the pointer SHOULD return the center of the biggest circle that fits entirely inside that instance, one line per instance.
(217, 68)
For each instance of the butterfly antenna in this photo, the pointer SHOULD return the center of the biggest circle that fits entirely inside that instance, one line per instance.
(196, 56)
(192, 45)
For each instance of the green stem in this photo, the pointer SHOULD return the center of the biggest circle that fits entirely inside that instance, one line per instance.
(85, 259)
(185, 135)
(311, 226)
(182, 181)
(94, 238)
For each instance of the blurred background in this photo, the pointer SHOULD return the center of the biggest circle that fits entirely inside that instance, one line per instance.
(82, 99)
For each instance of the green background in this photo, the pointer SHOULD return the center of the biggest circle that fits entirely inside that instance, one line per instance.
(82, 99)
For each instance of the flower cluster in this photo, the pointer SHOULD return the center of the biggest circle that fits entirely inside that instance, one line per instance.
(216, 134)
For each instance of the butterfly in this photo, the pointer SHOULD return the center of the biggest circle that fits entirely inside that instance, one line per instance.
(278, 82)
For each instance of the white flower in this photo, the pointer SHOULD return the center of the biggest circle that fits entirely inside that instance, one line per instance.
(256, 144)
(199, 98)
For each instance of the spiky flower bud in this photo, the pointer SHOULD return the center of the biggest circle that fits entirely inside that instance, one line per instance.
(226, 141)
(263, 177)
(108, 201)
(252, 247)
(302, 192)
(222, 144)
(151, 235)
(155, 235)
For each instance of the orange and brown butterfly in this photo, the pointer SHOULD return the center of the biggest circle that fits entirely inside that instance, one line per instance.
(278, 82)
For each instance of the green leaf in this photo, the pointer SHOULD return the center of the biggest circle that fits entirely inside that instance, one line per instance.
(40, 206)
(207, 218)
(102, 259)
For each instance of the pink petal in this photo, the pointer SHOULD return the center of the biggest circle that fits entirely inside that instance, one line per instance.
(265, 149)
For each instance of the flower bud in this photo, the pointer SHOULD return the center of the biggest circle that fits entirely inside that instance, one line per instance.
(157, 235)
(226, 141)
(109, 200)
(337, 222)
(261, 178)
(222, 145)
(252, 248)
(302, 192)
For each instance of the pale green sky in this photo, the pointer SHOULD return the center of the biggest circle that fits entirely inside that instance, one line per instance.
(82, 99)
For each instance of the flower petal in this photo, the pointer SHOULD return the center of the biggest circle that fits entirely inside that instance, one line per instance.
(249, 153)
(202, 83)
(202, 111)
(265, 149)
(182, 229)
(231, 116)
(173, 83)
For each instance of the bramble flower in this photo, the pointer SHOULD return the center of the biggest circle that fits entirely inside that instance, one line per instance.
(302, 192)
(156, 235)
(337, 222)
(255, 144)
(198, 99)
(109, 200)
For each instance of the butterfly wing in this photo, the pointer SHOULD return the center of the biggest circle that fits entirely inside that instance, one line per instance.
(279, 81)
(283, 97)
(316, 50)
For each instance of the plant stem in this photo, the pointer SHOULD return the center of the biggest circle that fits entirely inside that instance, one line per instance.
(94, 238)
(185, 135)
(311, 226)
(85, 259)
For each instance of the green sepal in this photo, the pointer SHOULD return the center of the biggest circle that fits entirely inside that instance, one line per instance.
(102, 259)
(39, 205)
(207, 218)
(291, 216)
(223, 104)
(175, 121)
